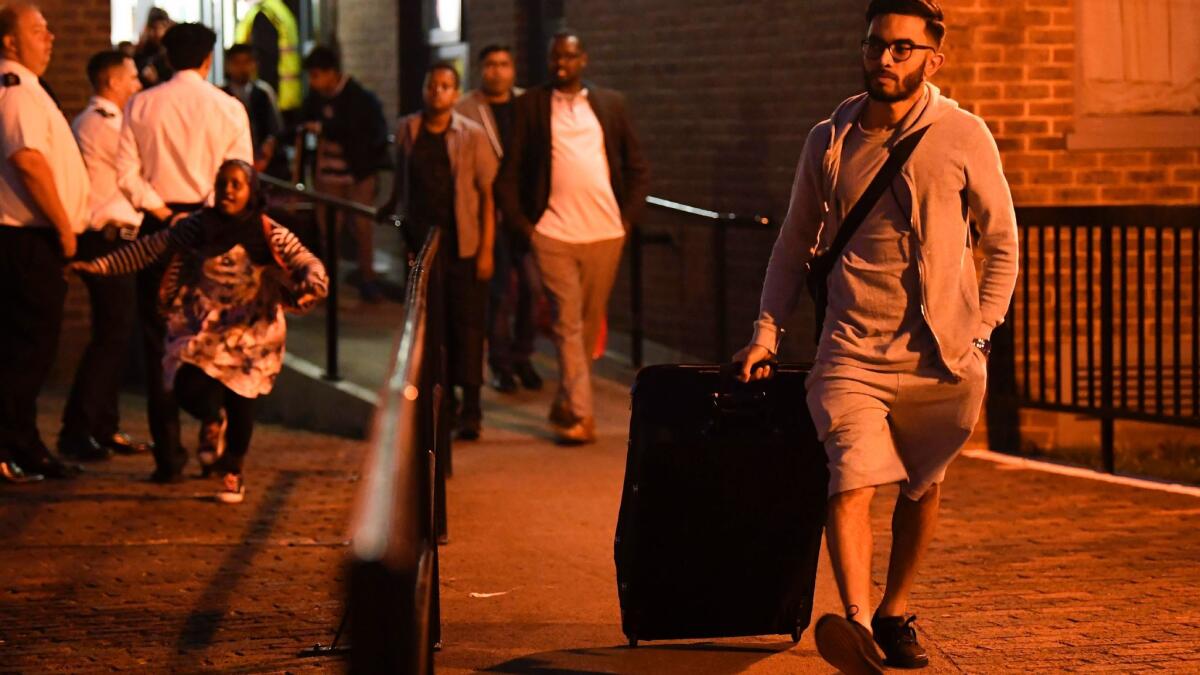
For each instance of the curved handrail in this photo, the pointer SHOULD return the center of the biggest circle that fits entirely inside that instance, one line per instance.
(393, 544)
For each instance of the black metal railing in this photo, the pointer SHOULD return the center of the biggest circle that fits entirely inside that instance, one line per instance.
(1105, 321)
(328, 206)
(393, 605)
(721, 224)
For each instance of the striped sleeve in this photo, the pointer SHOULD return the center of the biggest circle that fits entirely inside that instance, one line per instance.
(145, 251)
(304, 268)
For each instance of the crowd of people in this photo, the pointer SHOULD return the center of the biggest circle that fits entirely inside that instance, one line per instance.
(152, 196)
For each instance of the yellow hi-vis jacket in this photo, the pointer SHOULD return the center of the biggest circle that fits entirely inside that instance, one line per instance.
(284, 22)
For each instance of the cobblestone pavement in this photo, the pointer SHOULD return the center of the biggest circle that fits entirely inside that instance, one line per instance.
(1030, 571)
(110, 572)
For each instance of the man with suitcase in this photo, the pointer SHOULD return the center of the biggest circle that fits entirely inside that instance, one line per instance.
(878, 229)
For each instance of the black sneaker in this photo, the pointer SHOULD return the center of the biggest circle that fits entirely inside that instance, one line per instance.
(528, 376)
(847, 646)
(897, 637)
(503, 381)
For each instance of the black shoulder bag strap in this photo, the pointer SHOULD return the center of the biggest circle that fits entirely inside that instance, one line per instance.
(820, 266)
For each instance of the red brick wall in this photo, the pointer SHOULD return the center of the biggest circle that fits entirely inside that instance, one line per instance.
(1013, 63)
(81, 28)
(724, 93)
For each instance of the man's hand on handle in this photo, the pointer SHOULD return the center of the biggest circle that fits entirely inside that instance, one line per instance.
(751, 356)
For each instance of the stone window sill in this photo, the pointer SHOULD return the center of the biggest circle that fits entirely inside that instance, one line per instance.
(1135, 132)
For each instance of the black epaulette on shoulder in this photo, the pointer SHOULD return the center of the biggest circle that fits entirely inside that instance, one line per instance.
(10, 80)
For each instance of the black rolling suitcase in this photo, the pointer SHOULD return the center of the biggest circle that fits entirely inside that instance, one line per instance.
(723, 506)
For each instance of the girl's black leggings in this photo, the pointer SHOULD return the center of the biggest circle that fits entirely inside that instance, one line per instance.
(203, 398)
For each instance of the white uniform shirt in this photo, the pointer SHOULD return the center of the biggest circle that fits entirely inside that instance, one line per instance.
(29, 119)
(98, 131)
(582, 207)
(175, 137)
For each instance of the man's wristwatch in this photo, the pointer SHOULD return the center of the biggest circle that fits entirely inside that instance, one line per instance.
(983, 345)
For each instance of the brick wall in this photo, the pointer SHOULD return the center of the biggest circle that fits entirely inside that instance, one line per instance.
(81, 28)
(1013, 63)
(723, 95)
(367, 34)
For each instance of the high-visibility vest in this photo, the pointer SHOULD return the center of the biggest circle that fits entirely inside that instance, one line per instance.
(281, 18)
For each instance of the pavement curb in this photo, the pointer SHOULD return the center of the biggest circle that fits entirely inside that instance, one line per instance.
(303, 399)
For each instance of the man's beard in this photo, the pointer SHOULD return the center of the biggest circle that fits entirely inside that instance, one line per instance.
(908, 86)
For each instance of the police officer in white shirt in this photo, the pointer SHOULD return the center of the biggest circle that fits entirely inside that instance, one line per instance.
(91, 428)
(174, 138)
(43, 204)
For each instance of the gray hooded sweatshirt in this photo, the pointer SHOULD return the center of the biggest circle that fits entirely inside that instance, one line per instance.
(955, 170)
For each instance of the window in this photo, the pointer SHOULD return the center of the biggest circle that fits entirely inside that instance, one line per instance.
(1138, 75)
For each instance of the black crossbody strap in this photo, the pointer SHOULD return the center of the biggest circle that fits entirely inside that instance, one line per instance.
(891, 168)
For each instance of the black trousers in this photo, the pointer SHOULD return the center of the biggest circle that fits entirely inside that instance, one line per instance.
(162, 410)
(92, 404)
(511, 328)
(204, 398)
(466, 320)
(32, 292)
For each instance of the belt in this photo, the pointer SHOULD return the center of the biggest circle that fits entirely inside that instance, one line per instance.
(114, 231)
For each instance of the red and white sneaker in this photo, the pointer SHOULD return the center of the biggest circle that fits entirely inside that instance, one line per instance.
(233, 489)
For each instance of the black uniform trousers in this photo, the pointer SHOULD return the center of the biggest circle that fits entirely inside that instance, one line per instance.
(92, 404)
(511, 328)
(162, 410)
(466, 300)
(32, 292)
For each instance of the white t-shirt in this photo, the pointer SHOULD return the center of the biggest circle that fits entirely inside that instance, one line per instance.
(30, 120)
(582, 207)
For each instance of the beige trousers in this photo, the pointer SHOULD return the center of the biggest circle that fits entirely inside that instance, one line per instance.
(579, 277)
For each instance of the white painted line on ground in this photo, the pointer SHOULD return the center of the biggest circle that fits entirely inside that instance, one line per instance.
(1079, 472)
(310, 369)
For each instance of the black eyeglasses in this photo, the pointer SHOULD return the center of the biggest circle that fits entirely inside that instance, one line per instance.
(900, 50)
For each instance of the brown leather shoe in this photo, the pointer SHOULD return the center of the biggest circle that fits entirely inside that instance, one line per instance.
(579, 433)
(847, 646)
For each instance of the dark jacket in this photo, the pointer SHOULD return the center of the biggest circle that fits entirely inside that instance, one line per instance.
(353, 119)
(523, 186)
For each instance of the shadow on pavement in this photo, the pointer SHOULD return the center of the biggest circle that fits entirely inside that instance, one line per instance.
(704, 658)
(208, 612)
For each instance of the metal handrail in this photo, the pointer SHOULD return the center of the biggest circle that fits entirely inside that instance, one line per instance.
(721, 223)
(393, 594)
(327, 199)
(332, 259)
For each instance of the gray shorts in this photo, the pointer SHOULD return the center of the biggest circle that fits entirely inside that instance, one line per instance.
(880, 427)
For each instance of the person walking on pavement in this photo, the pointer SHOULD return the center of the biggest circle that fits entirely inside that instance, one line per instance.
(91, 420)
(43, 205)
(446, 170)
(515, 286)
(242, 82)
(231, 273)
(352, 148)
(901, 359)
(174, 138)
(572, 182)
